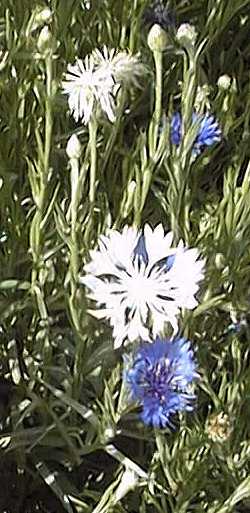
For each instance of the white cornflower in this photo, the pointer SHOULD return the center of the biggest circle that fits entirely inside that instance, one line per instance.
(140, 281)
(89, 88)
(127, 69)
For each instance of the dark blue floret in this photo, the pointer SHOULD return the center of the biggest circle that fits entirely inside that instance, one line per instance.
(159, 380)
(159, 14)
(176, 128)
(209, 132)
(140, 249)
(170, 262)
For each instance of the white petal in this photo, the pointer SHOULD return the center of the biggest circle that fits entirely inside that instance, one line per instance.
(157, 245)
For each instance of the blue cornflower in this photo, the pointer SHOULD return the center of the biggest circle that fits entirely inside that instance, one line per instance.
(209, 131)
(159, 379)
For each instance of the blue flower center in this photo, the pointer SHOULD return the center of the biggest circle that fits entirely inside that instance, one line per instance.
(156, 379)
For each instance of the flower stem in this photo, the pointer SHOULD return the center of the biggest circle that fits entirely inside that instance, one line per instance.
(93, 159)
(74, 206)
(153, 134)
(154, 128)
(39, 219)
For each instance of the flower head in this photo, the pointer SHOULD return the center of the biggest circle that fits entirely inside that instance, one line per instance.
(88, 88)
(140, 281)
(160, 379)
(125, 68)
(186, 35)
(209, 131)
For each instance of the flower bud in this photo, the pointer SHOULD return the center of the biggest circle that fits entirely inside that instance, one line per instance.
(130, 197)
(157, 38)
(128, 482)
(224, 82)
(219, 427)
(220, 261)
(44, 43)
(186, 35)
(73, 148)
(43, 16)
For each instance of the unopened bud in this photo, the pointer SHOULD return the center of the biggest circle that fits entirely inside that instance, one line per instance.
(130, 197)
(44, 42)
(43, 16)
(220, 261)
(128, 482)
(157, 38)
(224, 82)
(73, 148)
(109, 433)
(186, 35)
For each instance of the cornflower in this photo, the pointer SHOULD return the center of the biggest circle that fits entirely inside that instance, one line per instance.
(140, 282)
(160, 379)
(88, 88)
(209, 131)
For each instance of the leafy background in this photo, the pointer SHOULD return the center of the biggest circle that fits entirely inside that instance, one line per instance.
(68, 440)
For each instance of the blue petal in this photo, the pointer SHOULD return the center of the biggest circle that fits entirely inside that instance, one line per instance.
(175, 132)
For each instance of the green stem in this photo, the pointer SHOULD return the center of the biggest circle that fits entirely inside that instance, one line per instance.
(37, 228)
(93, 159)
(74, 207)
(44, 171)
(48, 116)
(183, 160)
(154, 129)
(153, 134)
(158, 86)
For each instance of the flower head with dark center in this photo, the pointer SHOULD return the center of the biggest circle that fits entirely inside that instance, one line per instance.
(140, 281)
(209, 131)
(160, 379)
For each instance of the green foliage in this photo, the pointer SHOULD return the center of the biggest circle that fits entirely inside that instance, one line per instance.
(68, 439)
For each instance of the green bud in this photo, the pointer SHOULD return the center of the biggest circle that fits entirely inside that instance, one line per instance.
(73, 148)
(43, 16)
(186, 35)
(44, 43)
(157, 39)
(224, 82)
(220, 261)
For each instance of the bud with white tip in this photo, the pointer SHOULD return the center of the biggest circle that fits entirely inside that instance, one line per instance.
(43, 16)
(157, 38)
(224, 82)
(186, 35)
(44, 43)
(73, 148)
